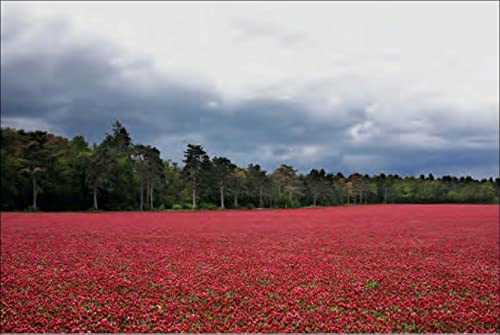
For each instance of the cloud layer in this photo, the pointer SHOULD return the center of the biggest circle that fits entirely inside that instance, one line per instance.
(55, 78)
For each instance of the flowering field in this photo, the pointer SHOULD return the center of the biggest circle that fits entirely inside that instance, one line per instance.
(409, 268)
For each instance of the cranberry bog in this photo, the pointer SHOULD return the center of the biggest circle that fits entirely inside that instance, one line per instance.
(387, 268)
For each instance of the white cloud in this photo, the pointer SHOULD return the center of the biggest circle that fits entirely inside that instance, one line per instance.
(425, 44)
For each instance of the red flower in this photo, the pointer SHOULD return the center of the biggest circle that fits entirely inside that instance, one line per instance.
(401, 268)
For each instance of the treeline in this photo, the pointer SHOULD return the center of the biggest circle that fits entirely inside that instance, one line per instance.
(42, 171)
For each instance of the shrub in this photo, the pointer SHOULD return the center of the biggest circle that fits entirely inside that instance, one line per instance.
(208, 205)
(177, 207)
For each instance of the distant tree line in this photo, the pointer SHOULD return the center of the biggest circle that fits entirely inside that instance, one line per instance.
(42, 171)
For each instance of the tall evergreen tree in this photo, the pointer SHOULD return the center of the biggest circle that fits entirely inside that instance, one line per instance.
(149, 168)
(98, 171)
(116, 173)
(223, 169)
(238, 184)
(289, 186)
(317, 185)
(192, 171)
(257, 181)
(36, 161)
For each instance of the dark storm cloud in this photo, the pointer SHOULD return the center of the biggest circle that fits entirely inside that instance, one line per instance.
(73, 86)
(82, 88)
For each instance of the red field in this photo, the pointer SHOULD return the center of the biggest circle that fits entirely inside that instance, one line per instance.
(361, 269)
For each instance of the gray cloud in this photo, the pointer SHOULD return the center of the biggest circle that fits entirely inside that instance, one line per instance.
(54, 81)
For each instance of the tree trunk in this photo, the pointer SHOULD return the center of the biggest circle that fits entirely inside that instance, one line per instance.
(151, 190)
(385, 194)
(222, 197)
(141, 204)
(35, 192)
(236, 200)
(315, 199)
(261, 200)
(95, 198)
(194, 197)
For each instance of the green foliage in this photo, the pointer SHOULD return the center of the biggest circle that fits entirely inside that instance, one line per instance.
(196, 162)
(187, 205)
(288, 186)
(222, 174)
(42, 171)
(31, 209)
(257, 185)
(372, 284)
(318, 186)
(208, 205)
(149, 173)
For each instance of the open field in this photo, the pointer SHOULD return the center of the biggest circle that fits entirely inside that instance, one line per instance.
(359, 269)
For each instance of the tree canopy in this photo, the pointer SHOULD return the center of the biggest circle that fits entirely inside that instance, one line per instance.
(42, 171)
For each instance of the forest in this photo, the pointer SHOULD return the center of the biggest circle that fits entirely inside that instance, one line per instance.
(42, 171)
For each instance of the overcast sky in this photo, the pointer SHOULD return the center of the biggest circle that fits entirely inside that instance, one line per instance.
(404, 88)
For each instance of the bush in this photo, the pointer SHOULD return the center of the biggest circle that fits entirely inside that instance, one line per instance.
(31, 209)
(250, 206)
(208, 205)
(177, 207)
(187, 205)
(93, 210)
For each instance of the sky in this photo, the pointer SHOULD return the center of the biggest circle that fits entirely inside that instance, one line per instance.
(409, 88)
